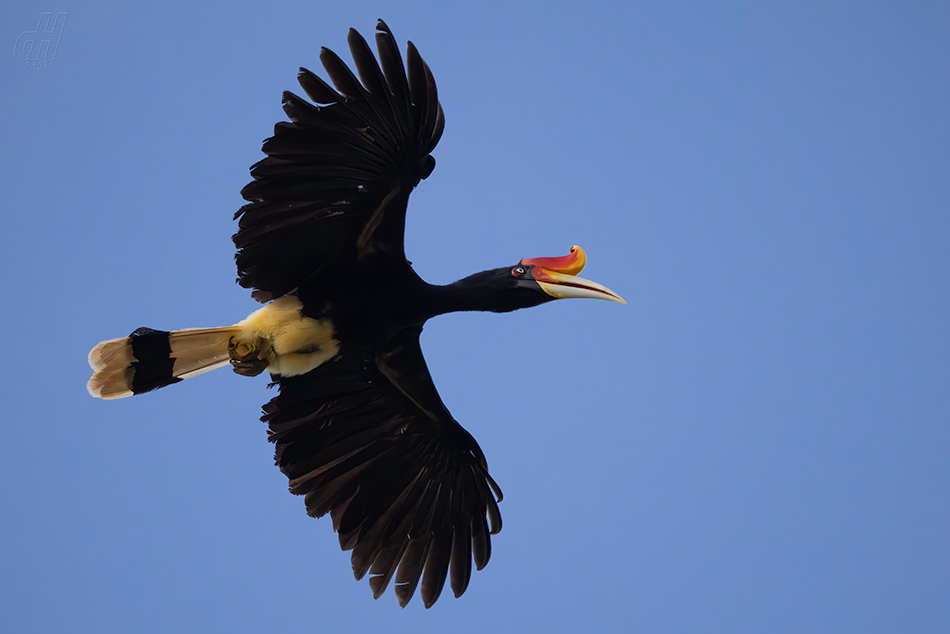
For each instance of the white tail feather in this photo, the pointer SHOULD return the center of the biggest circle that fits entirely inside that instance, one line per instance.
(199, 350)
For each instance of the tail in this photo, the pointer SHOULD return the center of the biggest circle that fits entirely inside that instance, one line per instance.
(149, 359)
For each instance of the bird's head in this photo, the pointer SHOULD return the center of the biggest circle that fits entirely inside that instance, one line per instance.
(534, 281)
(557, 277)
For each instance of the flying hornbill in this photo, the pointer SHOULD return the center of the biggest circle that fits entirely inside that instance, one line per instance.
(359, 428)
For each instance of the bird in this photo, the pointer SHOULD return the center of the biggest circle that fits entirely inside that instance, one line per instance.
(358, 426)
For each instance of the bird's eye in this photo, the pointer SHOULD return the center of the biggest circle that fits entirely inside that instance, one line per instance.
(518, 271)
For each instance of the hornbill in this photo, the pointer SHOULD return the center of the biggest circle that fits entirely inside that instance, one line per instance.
(359, 428)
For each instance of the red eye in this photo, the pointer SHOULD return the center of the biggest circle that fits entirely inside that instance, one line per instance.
(518, 271)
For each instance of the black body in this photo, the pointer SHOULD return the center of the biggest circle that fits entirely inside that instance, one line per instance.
(365, 436)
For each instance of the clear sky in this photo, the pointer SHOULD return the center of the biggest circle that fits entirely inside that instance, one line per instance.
(759, 442)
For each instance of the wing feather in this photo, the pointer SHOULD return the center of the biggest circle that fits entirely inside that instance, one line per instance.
(342, 77)
(336, 179)
(366, 439)
(317, 90)
(481, 542)
(395, 74)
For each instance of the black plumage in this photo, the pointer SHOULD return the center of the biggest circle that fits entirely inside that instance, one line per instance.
(359, 428)
(403, 486)
(404, 483)
(336, 180)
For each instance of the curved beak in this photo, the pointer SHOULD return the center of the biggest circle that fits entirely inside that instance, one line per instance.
(562, 286)
(556, 277)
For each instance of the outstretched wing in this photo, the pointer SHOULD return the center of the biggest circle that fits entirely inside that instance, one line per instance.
(367, 439)
(337, 178)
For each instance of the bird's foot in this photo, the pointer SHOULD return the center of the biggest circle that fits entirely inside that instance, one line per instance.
(248, 358)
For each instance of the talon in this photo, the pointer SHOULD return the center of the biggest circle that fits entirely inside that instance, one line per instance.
(248, 368)
(245, 357)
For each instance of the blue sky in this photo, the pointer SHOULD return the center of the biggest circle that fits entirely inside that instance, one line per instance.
(758, 442)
